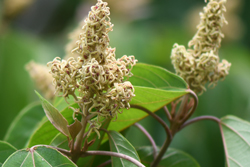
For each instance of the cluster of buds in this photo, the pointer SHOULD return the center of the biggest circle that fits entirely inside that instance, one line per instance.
(96, 74)
(200, 64)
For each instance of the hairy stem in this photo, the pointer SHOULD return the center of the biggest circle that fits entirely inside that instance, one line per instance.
(149, 137)
(109, 153)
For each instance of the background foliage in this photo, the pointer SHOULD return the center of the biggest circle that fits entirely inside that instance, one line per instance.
(147, 29)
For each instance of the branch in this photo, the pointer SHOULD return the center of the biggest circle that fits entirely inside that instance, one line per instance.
(165, 126)
(65, 152)
(109, 153)
(149, 137)
(205, 117)
(167, 113)
(169, 135)
(194, 107)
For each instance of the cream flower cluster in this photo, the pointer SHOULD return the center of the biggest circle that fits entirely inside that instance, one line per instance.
(96, 74)
(200, 63)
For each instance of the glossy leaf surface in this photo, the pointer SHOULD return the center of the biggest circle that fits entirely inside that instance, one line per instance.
(24, 124)
(236, 134)
(120, 144)
(172, 157)
(156, 77)
(38, 156)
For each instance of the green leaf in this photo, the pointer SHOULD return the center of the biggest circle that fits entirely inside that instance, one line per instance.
(120, 144)
(156, 77)
(6, 150)
(155, 87)
(236, 139)
(24, 124)
(173, 158)
(46, 132)
(55, 117)
(39, 156)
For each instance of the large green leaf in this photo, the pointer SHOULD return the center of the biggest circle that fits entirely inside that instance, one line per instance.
(46, 132)
(55, 117)
(156, 77)
(38, 156)
(236, 138)
(155, 87)
(6, 150)
(120, 144)
(172, 158)
(24, 124)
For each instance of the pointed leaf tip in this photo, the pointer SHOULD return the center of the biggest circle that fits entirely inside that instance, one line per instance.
(54, 116)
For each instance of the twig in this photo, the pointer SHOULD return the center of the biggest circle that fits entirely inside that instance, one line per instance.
(194, 107)
(165, 126)
(205, 117)
(168, 132)
(109, 153)
(105, 163)
(65, 152)
(149, 137)
(167, 113)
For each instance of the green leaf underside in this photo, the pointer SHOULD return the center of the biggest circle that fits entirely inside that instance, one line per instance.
(120, 144)
(172, 158)
(40, 156)
(156, 77)
(55, 116)
(150, 98)
(46, 132)
(236, 133)
(24, 124)
(6, 150)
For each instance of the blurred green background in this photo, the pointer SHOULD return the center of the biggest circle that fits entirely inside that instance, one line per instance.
(38, 30)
